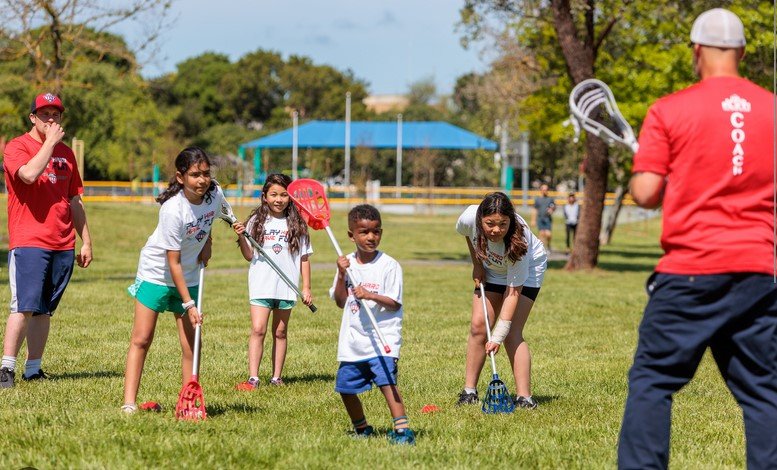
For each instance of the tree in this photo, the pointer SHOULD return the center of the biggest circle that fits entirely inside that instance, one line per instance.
(627, 44)
(52, 34)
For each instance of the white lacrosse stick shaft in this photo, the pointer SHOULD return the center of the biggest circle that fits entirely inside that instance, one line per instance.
(488, 326)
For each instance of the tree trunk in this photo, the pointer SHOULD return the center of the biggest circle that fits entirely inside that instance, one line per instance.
(585, 253)
(612, 220)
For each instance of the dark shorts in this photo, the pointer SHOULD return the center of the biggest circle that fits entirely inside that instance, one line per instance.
(38, 278)
(528, 292)
(357, 377)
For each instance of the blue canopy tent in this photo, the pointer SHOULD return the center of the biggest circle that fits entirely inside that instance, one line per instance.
(379, 135)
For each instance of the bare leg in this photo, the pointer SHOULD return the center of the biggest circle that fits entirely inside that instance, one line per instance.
(186, 338)
(476, 342)
(353, 406)
(395, 404)
(15, 331)
(140, 342)
(280, 326)
(37, 335)
(518, 350)
(259, 319)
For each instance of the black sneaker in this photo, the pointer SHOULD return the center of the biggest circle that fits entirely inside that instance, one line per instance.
(40, 375)
(6, 377)
(363, 433)
(468, 398)
(526, 402)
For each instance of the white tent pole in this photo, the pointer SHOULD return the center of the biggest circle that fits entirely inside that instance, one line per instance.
(399, 155)
(348, 144)
(294, 145)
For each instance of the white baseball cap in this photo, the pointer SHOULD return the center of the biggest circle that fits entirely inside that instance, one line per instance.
(718, 28)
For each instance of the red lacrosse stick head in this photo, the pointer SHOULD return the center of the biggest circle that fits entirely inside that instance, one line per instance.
(309, 197)
(191, 402)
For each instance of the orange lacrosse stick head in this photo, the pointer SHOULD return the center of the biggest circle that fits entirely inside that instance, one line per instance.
(191, 402)
(309, 197)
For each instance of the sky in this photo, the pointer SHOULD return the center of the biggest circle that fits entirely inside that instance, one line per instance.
(387, 43)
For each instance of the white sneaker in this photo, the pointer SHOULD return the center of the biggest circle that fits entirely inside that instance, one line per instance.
(129, 408)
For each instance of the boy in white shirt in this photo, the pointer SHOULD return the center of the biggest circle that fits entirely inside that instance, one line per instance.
(362, 361)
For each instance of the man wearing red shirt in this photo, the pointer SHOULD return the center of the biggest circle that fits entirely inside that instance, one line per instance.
(706, 153)
(44, 206)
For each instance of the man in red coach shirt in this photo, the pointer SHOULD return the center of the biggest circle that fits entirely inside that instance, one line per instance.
(706, 153)
(44, 206)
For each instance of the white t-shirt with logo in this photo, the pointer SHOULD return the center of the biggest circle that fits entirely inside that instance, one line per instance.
(499, 269)
(183, 227)
(358, 340)
(263, 281)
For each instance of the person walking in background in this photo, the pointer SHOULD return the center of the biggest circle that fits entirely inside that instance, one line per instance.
(571, 216)
(44, 206)
(542, 216)
(282, 233)
(706, 153)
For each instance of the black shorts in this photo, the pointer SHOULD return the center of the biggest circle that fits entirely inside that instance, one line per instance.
(528, 292)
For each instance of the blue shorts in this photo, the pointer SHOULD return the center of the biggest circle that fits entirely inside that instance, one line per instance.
(38, 278)
(357, 377)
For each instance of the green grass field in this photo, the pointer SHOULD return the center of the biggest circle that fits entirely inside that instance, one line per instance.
(582, 333)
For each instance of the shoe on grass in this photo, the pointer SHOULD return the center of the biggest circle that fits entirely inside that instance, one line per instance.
(248, 385)
(363, 433)
(528, 403)
(402, 436)
(129, 408)
(6, 377)
(40, 375)
(468, 398)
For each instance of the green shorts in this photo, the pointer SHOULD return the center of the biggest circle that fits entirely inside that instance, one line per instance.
(274, 303)
(159, 298)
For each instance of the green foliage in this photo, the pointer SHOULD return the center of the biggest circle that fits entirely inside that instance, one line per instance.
(643, 57)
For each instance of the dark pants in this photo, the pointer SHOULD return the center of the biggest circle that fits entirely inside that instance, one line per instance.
(571, 228)
(735, 315)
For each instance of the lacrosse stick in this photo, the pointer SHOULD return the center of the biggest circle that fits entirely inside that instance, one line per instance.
(594, 109)
(497, 399)
(309, 197)
(227, 215)
(191, 401)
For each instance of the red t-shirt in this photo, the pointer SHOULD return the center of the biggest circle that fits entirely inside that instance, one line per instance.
(39, 213)
(713, 142)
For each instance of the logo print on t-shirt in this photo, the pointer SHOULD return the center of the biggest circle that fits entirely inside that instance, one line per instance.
(737, 106)
(277, 248)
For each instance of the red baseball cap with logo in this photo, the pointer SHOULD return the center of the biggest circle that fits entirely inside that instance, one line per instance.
(46, 99)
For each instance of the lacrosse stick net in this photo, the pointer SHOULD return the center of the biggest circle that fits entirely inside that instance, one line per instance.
(191, 400)
(497, 399)
(228, 216)
(594, 109)
(310, 198)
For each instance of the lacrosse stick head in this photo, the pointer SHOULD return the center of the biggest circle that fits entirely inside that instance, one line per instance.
(191, 402)
(594, 109)
(497, 399)
(309, 197)
(225, 212)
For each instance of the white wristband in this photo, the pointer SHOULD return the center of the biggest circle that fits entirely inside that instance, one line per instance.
(187, 305)
(500, 331)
